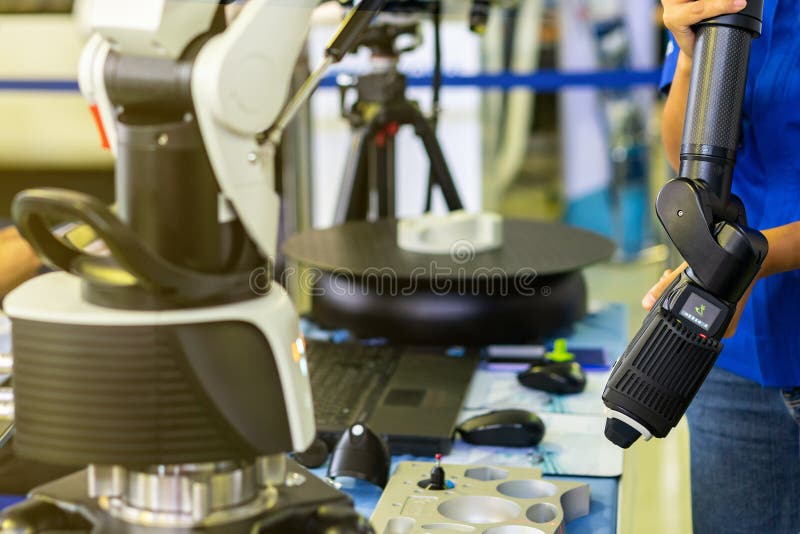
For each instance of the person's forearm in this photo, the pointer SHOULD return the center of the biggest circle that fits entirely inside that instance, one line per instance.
(675, 111)
(784, 250)
(18, 262)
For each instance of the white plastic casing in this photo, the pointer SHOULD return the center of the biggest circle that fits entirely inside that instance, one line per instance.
(91, 79)
(240, 82)
(155, 28)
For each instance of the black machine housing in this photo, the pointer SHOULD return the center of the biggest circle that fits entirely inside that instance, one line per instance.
(655, 380)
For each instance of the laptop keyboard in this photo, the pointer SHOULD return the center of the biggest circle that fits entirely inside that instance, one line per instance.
(347, 380)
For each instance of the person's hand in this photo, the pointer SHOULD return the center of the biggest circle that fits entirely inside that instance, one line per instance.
(739, 309)
(681, 15)
(656, 291)
(670, 275)
(18, 262)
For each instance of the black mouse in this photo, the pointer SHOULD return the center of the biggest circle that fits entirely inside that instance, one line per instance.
(554, 377)
(503, 428)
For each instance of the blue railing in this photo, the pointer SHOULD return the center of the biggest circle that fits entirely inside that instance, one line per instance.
(541, 81)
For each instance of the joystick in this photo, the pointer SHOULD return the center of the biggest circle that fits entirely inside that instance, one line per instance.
(438, 480)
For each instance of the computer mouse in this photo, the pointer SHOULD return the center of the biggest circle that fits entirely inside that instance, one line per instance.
(503, 428)
(554, 377)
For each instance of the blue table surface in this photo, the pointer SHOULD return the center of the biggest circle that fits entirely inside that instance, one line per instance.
(605, 328)
(602, 518)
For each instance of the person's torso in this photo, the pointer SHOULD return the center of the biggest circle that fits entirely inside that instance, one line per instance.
(766, 347)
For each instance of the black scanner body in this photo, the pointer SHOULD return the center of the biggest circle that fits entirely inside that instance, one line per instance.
(657, 377)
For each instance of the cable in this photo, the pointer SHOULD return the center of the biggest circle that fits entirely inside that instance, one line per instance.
(437, 89)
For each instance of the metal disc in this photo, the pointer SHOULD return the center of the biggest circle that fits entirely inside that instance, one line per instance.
(361, 247)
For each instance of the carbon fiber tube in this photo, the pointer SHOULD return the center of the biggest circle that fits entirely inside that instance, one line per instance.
(714, 109)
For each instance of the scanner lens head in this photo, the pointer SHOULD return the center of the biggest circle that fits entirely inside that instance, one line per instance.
(621, 433)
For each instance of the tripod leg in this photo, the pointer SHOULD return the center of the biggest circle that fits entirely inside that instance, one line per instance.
(429, 192)
(438, 163)
(385, 177)
(353, 196)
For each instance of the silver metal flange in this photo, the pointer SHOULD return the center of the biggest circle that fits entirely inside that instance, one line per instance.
(185, 496)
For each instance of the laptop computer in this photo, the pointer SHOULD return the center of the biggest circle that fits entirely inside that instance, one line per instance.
(411, 395)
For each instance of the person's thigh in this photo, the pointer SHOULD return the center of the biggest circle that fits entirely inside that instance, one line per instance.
(792, 399)
(745, 459)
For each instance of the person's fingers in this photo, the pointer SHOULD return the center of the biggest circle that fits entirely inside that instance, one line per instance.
(652, 295)
(655, 292)
(682, 15)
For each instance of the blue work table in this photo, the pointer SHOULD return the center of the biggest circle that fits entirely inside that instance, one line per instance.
(605, 328)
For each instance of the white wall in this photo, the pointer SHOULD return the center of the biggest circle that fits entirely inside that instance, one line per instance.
(44, 129)
(587, 167)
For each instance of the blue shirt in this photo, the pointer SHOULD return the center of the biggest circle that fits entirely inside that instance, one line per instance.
(766, 347)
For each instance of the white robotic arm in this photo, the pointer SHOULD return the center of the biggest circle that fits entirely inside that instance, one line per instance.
(239, 84)
(240, 81)
(156, 28)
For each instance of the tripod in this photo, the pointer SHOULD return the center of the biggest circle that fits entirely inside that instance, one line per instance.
(381, 109)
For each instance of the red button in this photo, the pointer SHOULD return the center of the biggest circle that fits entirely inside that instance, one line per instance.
(98, 120)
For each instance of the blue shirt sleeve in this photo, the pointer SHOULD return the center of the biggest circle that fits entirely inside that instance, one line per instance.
(670, 65)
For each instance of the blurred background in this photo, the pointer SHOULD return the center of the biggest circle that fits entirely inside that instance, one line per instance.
(550, 110)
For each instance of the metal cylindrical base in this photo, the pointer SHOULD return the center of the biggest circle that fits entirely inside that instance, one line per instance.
(181, 496)
(303, 505)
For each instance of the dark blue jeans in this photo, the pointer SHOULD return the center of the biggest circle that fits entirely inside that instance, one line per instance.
(745, 455)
